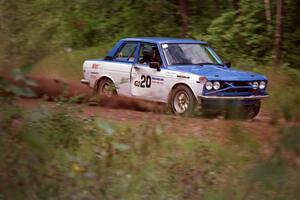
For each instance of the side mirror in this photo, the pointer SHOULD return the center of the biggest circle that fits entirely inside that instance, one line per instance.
(108, 58)
(227, 63)
(155, 65)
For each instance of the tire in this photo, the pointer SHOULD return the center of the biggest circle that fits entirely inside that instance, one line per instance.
(106, 88)
(245, 112)
(182, 101)
(252, 111)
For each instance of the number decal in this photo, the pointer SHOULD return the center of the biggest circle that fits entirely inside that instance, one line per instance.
(145, 82)
(148, 81)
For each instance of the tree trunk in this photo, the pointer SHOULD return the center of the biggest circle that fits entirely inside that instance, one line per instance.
(183, 5)
(279, 32)
(268, 15)
(236, 6)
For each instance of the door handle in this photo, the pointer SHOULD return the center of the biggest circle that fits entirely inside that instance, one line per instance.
(136, 67)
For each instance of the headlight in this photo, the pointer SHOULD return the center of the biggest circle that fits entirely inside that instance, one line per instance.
(255, 85)
(209, 85)
(262, 85)
(216, 85)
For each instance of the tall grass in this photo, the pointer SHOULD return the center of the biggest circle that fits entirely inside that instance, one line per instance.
(58, 154)
(67, 63)
(284, 101)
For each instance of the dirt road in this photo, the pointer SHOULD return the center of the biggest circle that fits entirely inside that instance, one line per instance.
(135, 113)
(201, 127)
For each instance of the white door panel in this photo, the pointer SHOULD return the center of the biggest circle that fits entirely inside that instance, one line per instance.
(148, 83)
(120, 73)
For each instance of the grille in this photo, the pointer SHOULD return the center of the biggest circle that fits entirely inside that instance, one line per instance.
(238, 83)
(235, 88)
(246, 89)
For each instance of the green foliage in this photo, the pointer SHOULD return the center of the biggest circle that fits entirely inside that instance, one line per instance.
(67, 65)
(292, 33)
(284, 101)
(51, 25)
(242, 35)
(29, 28)
(21, 84)
(291, 139)
(201, 14)
(56, 154)
(277, 172)
(7, 88)
(62, 127)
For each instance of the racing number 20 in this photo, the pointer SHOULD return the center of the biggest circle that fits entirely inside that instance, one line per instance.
(145, 81)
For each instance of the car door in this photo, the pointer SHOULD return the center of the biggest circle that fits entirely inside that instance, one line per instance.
(120, 67)
(147, 83)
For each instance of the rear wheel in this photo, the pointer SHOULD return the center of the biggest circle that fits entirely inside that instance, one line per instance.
(106, 88)
(182, 101)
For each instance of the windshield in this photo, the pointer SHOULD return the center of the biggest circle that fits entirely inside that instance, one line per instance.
(188, 54)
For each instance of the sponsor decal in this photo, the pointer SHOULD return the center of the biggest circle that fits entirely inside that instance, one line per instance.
(95, 66)
(182, 76)
(94, 73)
(170, 74)
(202, 80)
(157, 80)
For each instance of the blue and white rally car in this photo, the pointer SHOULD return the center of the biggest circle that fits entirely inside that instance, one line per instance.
(183, 73)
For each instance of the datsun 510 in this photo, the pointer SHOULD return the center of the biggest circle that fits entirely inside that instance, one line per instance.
(182, 73)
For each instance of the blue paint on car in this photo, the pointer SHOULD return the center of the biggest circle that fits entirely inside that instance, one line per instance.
(216, 72)
(161, 40)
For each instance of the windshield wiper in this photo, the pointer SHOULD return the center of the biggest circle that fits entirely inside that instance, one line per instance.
(209, 64)
(183, 63)
(201, 64)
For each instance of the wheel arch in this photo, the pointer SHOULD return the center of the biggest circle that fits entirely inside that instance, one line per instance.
(103, 77)
(179, 84)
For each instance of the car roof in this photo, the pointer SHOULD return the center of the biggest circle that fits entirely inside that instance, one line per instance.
(164, 40)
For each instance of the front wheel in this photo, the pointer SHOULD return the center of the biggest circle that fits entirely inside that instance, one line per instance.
(244, 112)
(252, 111)
(182, 101)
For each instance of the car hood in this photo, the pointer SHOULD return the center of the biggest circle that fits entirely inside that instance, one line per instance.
(216, 72)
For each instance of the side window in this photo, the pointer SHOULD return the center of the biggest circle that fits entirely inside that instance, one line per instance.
(126, 53)
(149, 53)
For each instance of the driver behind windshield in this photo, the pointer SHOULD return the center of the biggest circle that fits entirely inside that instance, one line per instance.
(155, 55)
(150, 55)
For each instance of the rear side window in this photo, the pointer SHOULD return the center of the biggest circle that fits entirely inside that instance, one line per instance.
(126, 53)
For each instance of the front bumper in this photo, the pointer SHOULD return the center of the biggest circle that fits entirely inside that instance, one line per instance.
(253, 97)
(233, 101)
(84, 81)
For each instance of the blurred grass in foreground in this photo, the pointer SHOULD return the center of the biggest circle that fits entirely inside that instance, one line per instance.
(58, 154)
(284, 101)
